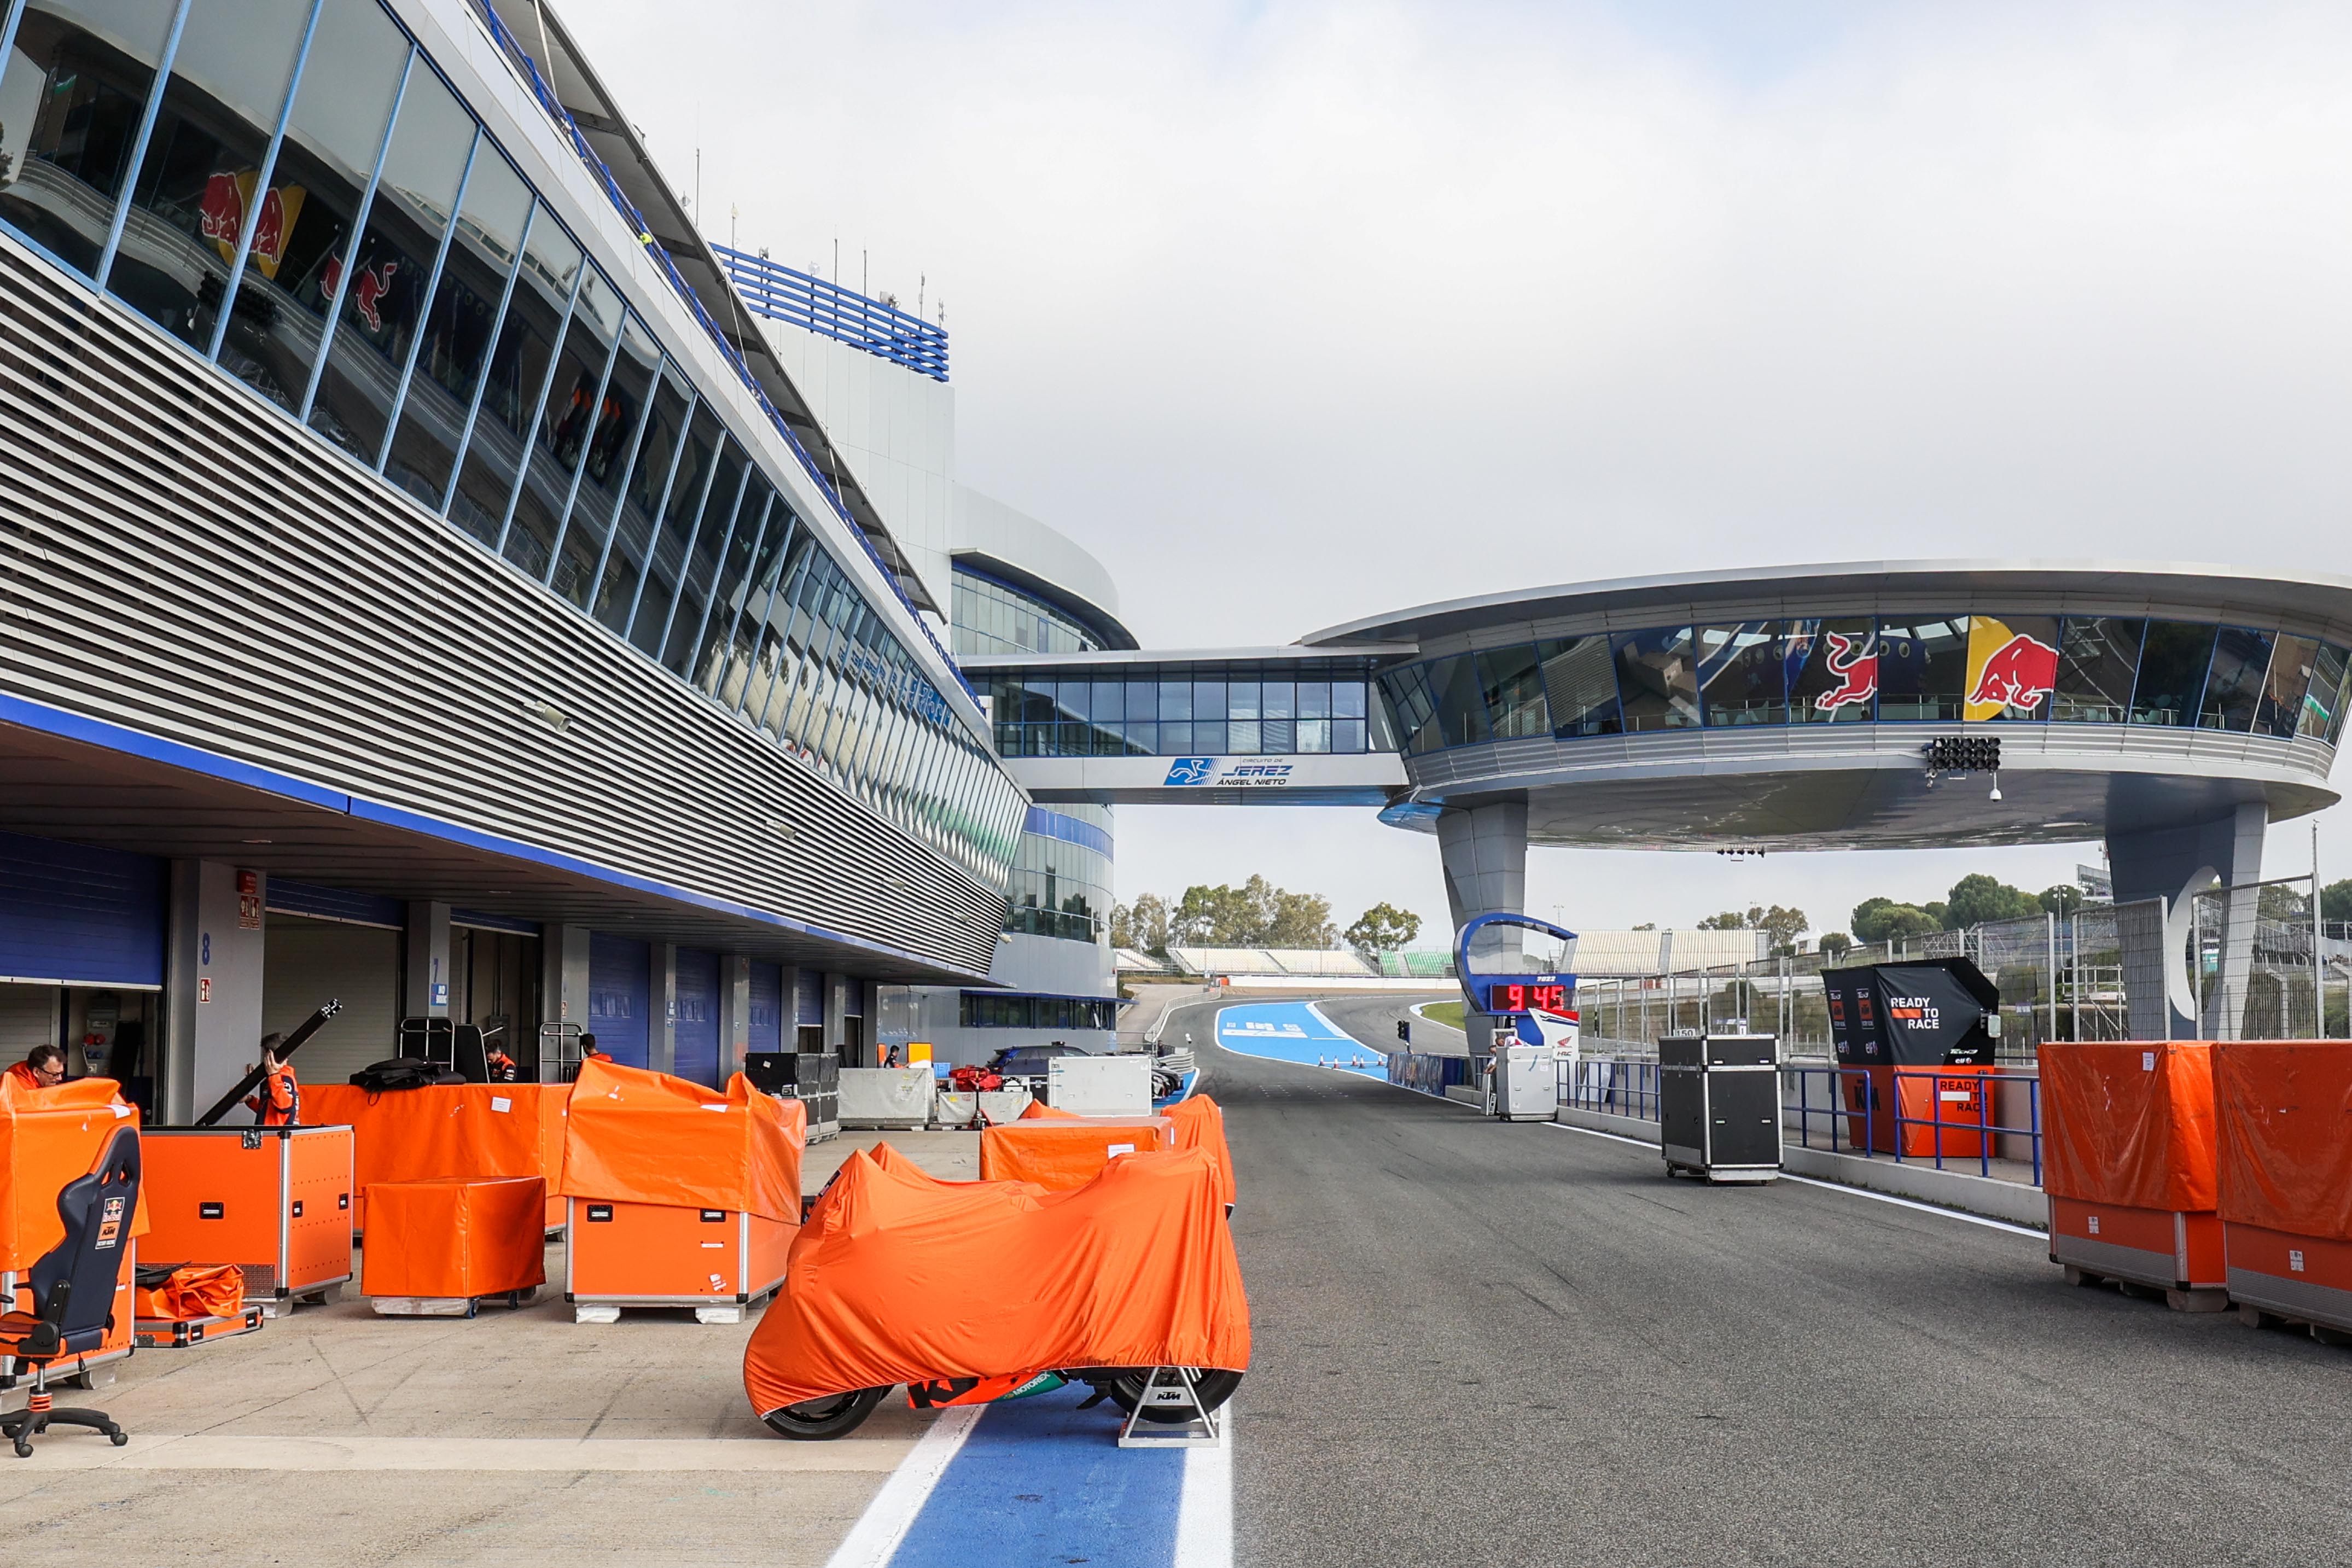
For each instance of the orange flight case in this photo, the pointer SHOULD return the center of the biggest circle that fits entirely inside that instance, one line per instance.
(716, 1260)
(275, 1201)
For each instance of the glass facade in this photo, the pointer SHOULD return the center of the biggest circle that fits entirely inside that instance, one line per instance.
(992, 617)
(293, 192)
(1937, 669)
(993, 1009)
(1061, 878)
(1249, 712)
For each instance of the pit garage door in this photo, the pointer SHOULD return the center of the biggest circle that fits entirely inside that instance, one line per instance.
(309, 960)
(28, 1017)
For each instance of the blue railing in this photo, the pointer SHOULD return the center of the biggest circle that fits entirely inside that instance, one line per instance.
(1814, 1095)
(803, 300)
(565, 126)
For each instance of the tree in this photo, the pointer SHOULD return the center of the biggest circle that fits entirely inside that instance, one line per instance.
(1299, 920)
(1835, 944)
(1383, 928)
(1978, 899)
(2061, 900)
(2336, 901)
(1884, 920)
(1782, 926)
(1255, 915)
(1142, 926)
(1730, 920)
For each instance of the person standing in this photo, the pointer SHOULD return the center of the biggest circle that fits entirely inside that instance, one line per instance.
(279, 1102)
(44, 1067)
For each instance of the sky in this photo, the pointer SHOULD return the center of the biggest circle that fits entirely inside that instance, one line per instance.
(1294, 313)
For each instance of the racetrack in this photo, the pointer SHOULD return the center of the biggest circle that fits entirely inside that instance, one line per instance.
(1486, 1344)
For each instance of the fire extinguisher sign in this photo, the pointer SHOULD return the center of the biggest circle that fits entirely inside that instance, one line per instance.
(248, 901)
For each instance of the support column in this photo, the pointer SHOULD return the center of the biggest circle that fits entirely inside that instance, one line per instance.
(1485, 854)
(661, 1030)
(426, 992)
(735, 1013)
(563, 978)
(212, 986)
(836, 1007)
(2173, 864)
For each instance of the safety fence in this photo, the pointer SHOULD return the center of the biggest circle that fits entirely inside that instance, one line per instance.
(803, 300)
(1979, 1119)
(1428, 1074)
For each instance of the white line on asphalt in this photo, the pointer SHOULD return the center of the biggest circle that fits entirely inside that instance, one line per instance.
(1205, 1510)
(209, 1452)
(1834, 1186)
(873, 1540)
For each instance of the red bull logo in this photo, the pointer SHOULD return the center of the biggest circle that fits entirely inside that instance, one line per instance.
(2018, 674)
(1854, 662)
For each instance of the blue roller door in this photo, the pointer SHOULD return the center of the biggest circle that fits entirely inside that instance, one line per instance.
(85, 916)
(695, 1030)
(617, 996)
(767, 1007)
(808, 998)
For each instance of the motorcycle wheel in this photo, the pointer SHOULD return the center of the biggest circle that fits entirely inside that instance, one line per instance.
(1216, 1387)
(835, 1416)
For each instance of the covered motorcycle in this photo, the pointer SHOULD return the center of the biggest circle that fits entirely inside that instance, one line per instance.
(900, 1278)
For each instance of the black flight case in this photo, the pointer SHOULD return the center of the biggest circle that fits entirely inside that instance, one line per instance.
(1719, 1106)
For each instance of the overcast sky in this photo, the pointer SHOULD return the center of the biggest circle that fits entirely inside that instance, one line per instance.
(1294, 313)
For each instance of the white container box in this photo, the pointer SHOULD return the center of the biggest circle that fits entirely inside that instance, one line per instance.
(1099, 1085)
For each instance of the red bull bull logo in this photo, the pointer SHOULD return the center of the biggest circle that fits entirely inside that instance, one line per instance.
(2018, 674)
(1854, 662)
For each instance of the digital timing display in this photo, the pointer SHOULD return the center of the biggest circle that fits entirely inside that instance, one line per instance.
(1516, 996)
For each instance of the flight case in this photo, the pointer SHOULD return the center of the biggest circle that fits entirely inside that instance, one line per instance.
(1719, 1106)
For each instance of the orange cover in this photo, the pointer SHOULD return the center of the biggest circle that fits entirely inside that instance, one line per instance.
(195, 1291)
(454, 1130)
(47, 1137)
(1038, 1110)
(1059, 1154)
(2285, 1110)
(2129, 1123)
(637, 1136)
(899, 1277)
(456, 1237)
(1199, 1124)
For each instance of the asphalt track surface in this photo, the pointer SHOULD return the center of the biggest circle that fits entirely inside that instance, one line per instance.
(1477, 1343)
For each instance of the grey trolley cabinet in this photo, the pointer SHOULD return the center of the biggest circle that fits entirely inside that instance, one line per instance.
(1719, 1106)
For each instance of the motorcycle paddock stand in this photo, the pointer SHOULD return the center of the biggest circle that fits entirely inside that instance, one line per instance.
(1171, 1388)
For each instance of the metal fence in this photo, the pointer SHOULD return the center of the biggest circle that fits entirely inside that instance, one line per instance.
(2262, 971)
(802, 299)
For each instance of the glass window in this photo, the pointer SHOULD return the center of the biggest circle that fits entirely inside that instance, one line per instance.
(1314, 735)
(1241, 699)
(1209, 736)
(195, 184)
(1461, 708)
(1209, 702)
(2323, 703)
(517, 378)
(689, 489)
(2233, 692)
(1579, 685)
(72, 93)
(1740, 676)
(1348, 734)
(332, 139)
(1142, 738)
(456, 340)
(1142, 701)
(1175, 700)
(1073, 699)
(1832, 670)
(1347, 699)
(1242, 736)
(1511, 681)
(2097, 658)
(723, 651)
(620, 422)
(2293, 660)
(1277, 699)
(625, 557)
(1922, 668)
(2173, 664)
(1314, 699)
(1406, 691)
(2013, 668)
(566, 422)
(1657, 678)
(713, 538)
(1176, 739)
(384, 295)
(784, 641)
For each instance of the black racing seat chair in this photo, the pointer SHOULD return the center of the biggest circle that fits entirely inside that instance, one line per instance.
(73, 1283)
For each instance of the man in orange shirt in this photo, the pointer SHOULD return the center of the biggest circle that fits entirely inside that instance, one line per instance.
(44, 1067)
(279, 1103)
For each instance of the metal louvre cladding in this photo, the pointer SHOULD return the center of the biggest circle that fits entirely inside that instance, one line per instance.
(296, 613)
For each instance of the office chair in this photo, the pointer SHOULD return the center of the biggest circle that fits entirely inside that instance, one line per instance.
(74, 1283)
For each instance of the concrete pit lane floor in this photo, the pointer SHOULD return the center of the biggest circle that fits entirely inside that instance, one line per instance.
(336, 1438)
(1487, 1343)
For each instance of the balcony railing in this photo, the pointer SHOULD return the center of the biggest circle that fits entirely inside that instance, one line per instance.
(802, 299)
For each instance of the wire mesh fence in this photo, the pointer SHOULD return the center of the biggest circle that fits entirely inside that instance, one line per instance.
(2250, 965)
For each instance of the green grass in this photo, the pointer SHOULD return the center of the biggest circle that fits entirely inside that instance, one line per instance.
(1447, 1013)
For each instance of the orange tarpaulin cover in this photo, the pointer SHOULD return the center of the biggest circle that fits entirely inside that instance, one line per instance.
(1199, 1124)
(2285, 1110)
(456, 1236)
(194, 1291)
(1058, 1155)
(1038, 1110)
(47, 1137)
(2129, 1123)
(899, 1277)
(634, 1137)
(443, 1130)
